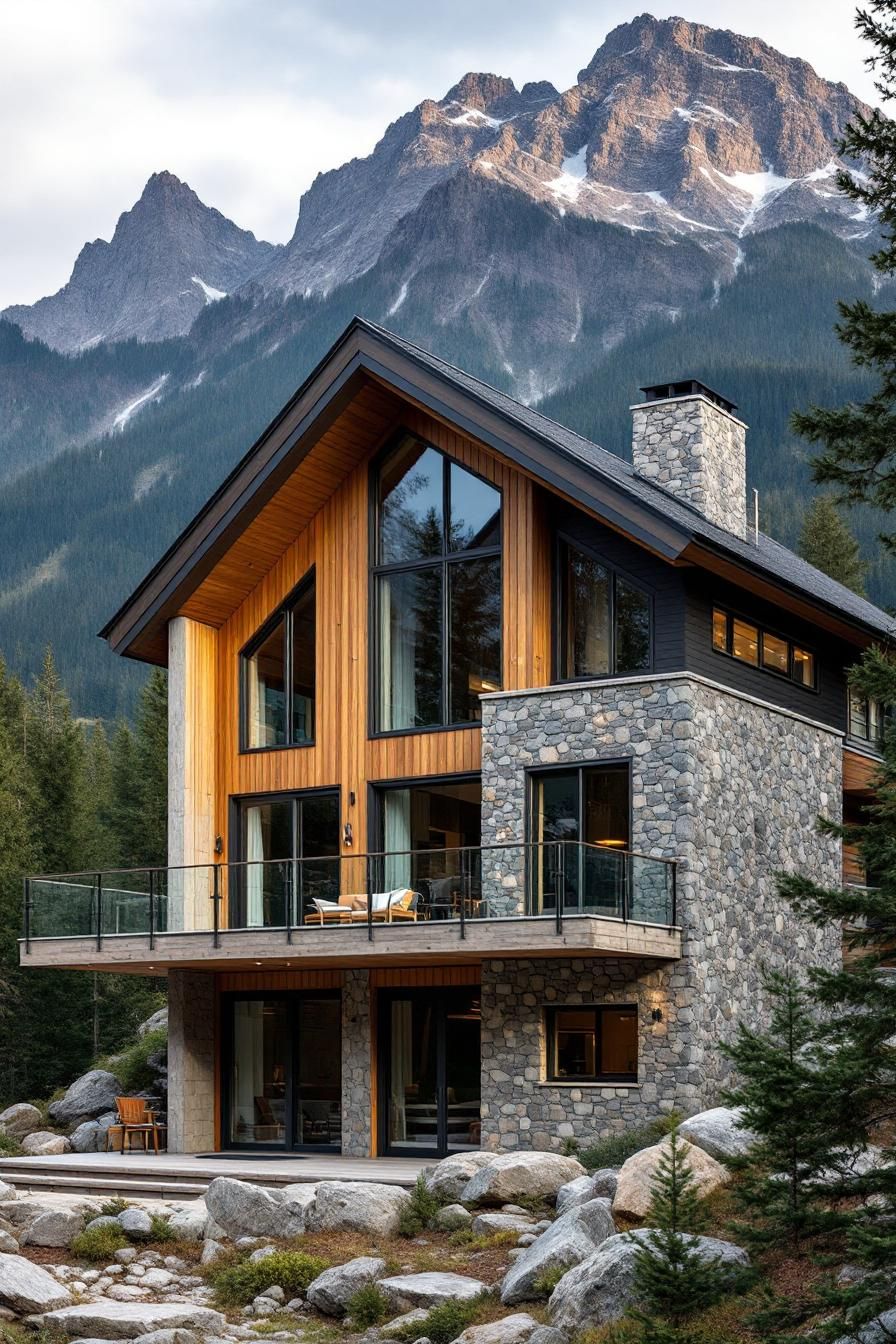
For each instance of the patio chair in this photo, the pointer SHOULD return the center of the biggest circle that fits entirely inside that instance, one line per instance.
(387, 906)
(134, 1118)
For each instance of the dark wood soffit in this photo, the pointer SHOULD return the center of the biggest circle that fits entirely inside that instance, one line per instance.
(138, 628)
(779, 594)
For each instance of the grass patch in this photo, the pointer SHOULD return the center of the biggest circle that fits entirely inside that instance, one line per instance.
(10, 1147)
(270, 1325)
(130, 1066)
(99, 1244)
(546, 1282)
(367, 1307)
(419, 1211)
(616, 1149)
(237, 1283)
(443, 1323)
(113, 1207)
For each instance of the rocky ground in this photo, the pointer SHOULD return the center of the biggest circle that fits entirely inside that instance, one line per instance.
(489, 1248)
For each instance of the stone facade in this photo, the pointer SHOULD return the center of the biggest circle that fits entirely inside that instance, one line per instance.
(191, 1061)
(729, 787)
(357, 1064)
(696, 451)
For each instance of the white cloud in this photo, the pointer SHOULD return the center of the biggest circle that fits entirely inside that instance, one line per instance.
(248, 101)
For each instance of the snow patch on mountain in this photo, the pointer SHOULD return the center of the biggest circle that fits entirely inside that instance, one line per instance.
(402, 295)
(573, 172)
(152, 476)
(211, 294)
(151, 393)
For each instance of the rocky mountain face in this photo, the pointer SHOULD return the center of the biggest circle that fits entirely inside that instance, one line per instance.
(169, 257)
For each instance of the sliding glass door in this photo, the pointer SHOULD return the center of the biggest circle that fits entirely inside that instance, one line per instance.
(429, 1044)
(272, 831)
(282, 1070)
(430, 832)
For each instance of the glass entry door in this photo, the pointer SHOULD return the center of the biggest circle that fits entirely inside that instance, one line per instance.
(272, 890)
(580, 824)
(282, 1070)
(430, 1071)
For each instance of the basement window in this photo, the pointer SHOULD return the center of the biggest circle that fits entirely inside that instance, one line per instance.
(750, 643)
(592, 1044)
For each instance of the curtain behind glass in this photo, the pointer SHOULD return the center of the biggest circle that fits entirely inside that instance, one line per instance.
(397, 837)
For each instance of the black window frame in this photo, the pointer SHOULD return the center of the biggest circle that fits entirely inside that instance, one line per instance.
(283, 612)
(562, 543)
(762, 629)
(886, 716)
(237, 804)
(550, 1016)
(443, 563)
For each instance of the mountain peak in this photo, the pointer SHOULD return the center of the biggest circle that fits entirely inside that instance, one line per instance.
(482, 91)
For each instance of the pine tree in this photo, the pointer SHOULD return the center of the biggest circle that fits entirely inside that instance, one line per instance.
(789, 1091)
(152, 764)
(828, 544)
(673, 1281)
(858, 440)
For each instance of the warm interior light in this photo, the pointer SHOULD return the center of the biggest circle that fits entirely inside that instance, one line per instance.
(620, 843)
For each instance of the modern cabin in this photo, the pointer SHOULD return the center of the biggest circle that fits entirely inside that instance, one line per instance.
(485, 749)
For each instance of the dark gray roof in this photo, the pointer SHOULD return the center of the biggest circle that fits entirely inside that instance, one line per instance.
(768, 556)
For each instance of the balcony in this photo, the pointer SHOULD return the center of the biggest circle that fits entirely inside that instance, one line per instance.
(557, 899)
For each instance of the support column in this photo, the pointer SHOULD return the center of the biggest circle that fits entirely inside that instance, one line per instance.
(192, 734)
(191, 1061)
(358, 1063)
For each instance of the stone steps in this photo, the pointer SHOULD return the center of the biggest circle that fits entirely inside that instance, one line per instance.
(127, 1185)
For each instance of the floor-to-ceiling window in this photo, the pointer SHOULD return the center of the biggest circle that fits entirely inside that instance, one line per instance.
(289, 848)
(282, 1066)
(436, 565)
(580, 829)
(429, 832)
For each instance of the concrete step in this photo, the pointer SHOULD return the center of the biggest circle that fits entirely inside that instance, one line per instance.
(134, 1187)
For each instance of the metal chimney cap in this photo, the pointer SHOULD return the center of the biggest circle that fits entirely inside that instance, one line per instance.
(687, 387)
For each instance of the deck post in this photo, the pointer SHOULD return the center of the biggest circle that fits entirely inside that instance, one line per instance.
(99, 912)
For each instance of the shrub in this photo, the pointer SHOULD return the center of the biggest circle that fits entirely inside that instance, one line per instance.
(419, 1212)
(99, 1243)
(131, 1067)
(616, 1149)
(161, 1228)
(237, 1284)
(367, 1307)
(10, 1147)
(443, 1323)
(113, 1207)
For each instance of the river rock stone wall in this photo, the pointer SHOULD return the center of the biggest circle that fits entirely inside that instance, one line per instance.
(727, 786)
(357, 1064)
(696, 451)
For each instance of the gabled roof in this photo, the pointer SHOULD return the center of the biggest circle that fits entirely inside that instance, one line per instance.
(564, 461)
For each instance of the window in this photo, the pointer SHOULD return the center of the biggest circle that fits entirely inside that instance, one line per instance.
(288, 845)
(278, 676)
(750, 643)
(867, 718)
(604, 619)
(580, 829)
(586, 1044)
(437, 590)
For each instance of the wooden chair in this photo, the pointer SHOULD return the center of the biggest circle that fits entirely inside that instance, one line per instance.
(134, 1118)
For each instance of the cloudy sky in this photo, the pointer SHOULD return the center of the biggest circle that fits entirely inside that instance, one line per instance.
(248, 99)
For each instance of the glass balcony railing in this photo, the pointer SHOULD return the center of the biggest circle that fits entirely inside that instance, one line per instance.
(556, 881)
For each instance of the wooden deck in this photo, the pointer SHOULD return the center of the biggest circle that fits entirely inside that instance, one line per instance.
(185, 1176)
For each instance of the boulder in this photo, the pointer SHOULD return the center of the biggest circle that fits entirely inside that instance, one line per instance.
(546, 1334)
(405, 1291)
(633, 1191)
(156, 1022)
(601, 1289)
(571, 1239)
(104, 1220)
(332, 1290)
(882, 1330)
(357, 1206)
(104, 1319)
(7, 1193)
(452, 1216)
(211, 1251)
(190, 1222)
(398, 1323)
(488, 1224)
(21, 1119)
(512, 1175)
(90, 1095)
(448, 1178)
(242, 1209)
(44, 1144)
(169, 1337)
(90, 1135)
(8, 1242)
(604, 1182)
(54, 1227)
(28, 1288)
(579, 1191)
(516, 1329)
(718, 1132)
(136, 1223)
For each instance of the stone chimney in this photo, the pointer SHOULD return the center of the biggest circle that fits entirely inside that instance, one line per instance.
(686, 438)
